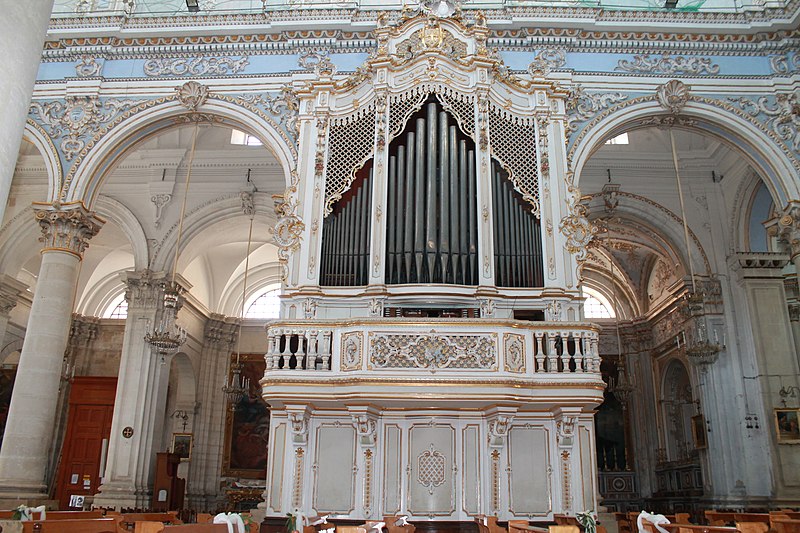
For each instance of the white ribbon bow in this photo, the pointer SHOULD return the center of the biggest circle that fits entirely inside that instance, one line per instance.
(402, 521)
(377, 527)
(230, 519)
(26, 513)
(655, 519)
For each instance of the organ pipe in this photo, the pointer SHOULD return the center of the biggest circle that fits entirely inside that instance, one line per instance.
(431, 219)
(517, 239)
(345, 236)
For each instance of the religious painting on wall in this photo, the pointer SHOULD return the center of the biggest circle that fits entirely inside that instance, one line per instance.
(182, 445)
(247, 427)
(787, 424)
(699, 432)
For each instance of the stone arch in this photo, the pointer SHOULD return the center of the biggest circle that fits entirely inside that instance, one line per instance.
(12, 347)
(150, 118)
(34, 134)
(204, 216)
(112, 210)
(743, 209)
(262, 276)
(703, 115)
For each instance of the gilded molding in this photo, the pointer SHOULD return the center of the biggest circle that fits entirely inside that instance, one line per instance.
(289, 227)
(433, 351)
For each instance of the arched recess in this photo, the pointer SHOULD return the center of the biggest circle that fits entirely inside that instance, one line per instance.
(181, 397)
(9, 350)
(112, 210)
(702, 115)
(677, 409)
(36, 135)
(203, 217)
(151, 118)
(748, 211)
(258, 277)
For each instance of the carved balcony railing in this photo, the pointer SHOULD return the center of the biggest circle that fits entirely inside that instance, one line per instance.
(380, 345)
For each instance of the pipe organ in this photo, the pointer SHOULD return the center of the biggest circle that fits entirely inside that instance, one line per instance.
(517, 241)
(345, 236)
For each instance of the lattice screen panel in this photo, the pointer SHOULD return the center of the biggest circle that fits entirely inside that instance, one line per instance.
(513, 143)
(351, 142)
(460, 106)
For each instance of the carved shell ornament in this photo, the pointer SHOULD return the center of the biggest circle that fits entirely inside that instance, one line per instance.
(192, 95)
(673, 96)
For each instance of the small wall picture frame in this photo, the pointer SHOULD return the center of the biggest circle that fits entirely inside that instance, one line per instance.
(699, 432)
(787, 426)
(182, 445)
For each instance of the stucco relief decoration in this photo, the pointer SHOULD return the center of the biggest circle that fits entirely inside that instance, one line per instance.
(192, 95)
(566, 430)
(299, 426)
(319, 62)
(673, 96)
(284, 106)
(669, 65)
(781, 114)
(351, 350)
(582, 106)
(289, 227)
(498, 430)
(366, 428)
(433, 351)
(546, 61)
(576, 226)
(515, 352)
(195, 66)
(87, 67)
(77, 117)
(432, 36)
(431, 471)
(785, 64)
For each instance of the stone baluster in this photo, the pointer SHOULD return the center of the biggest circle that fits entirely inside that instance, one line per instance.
(286, 355)
(580, 351)
(563, 338)
(552, 365)
(276, 349)
(326, 349)
(302, 350)
(66, 231)
(539, 352)
(311, 361)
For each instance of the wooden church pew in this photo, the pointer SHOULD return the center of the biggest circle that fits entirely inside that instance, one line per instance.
(87, 525)
(159, 527)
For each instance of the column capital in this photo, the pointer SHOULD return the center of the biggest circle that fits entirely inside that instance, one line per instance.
(221, 330)
(66, 227)
(145, 288)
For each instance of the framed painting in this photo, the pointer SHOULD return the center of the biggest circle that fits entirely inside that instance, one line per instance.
(182, 445)
(787, 426)
(699, 432)
(247, 426)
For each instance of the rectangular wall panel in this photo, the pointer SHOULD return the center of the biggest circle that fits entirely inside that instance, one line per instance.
(278, 447)
(588, 474)
(431, 487)
(392, 468)
(529, 457)
(471, 473)
(334, 483)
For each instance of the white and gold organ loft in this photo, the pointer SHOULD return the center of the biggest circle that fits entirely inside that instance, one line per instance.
(433, 360)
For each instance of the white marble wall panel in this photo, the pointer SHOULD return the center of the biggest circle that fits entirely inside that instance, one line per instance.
(334, 481)
(529, 462)
(278, 444)
(431, 487)
(471, 470)
(392, 470)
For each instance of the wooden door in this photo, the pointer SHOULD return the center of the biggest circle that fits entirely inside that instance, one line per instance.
(91, 407)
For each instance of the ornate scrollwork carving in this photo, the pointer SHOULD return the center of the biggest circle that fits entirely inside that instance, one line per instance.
(514, 347)
(433, 351)
(673, 96)
(785, 64)
(545, 61)
(582, 106)
(289, 227)
(780, 112)
(565, 430)
(431, 471)
(498, 430)
(298, 422)
(352, 343)
(76, 118)
(319, 62)
(668, 65)
(194, 66)
(576, 226)
(87, 67)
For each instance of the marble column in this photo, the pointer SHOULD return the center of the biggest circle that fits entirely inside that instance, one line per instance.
(206, 468)
(10, 291)
(22, 31)
(66, 231)
(141, 398)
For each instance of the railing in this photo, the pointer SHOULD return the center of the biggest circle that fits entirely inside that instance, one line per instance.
(444, 345)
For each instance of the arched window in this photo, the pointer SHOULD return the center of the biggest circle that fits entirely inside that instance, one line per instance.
(266, 304)
(118, 308)
(596, 305)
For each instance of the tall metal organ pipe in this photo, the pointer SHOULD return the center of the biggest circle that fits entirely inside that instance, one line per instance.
(518, 260)
(431, 219)
(345, 236)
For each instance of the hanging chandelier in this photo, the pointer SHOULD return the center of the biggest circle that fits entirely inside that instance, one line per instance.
(237, 386)
(168, 336)
(699, 348)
